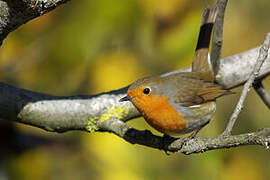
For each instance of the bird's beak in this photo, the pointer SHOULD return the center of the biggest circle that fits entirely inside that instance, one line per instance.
(126, 98)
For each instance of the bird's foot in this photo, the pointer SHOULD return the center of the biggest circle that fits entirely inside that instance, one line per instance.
(192, 136)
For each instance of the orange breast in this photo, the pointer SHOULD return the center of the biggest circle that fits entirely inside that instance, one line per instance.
(161, 115)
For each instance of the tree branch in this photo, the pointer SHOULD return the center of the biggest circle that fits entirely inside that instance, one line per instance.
(218, 35)
(200, 145)
(60, 114)
(261, 58)
(196, 145)
(14, 13)
(234, 70)
(264, 95)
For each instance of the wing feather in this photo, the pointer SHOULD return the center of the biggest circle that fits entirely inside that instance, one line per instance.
(193, 90)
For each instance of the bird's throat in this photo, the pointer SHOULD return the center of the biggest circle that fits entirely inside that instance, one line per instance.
(161, 115)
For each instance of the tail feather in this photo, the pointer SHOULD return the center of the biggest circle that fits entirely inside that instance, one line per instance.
(200, 61)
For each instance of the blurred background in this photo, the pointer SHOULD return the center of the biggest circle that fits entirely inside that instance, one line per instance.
(88, 47)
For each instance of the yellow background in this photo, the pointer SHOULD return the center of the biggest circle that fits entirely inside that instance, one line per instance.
(88, 47)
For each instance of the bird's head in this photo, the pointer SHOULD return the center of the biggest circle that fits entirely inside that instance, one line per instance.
(145, 94)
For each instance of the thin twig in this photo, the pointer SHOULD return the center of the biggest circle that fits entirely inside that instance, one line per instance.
(264, 95)
(218, 35)
(261, 58)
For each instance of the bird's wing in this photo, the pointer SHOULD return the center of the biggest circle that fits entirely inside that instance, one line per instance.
(196, 91)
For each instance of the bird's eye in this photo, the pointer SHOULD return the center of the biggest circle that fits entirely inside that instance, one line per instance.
(146, 91)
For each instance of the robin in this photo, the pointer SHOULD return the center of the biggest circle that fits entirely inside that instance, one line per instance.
(182, 102)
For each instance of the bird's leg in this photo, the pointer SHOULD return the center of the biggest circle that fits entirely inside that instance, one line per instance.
(195, 132)
(193, 135)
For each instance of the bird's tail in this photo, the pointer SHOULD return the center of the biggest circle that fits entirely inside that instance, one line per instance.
(201, 62)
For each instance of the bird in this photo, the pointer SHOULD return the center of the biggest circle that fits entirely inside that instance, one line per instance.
(182, 102)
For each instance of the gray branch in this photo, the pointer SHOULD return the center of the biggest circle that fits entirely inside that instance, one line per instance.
(196, 145)
(218, 35)
(261, 59)
(200, 145)
(261, 91)
(14, 13)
